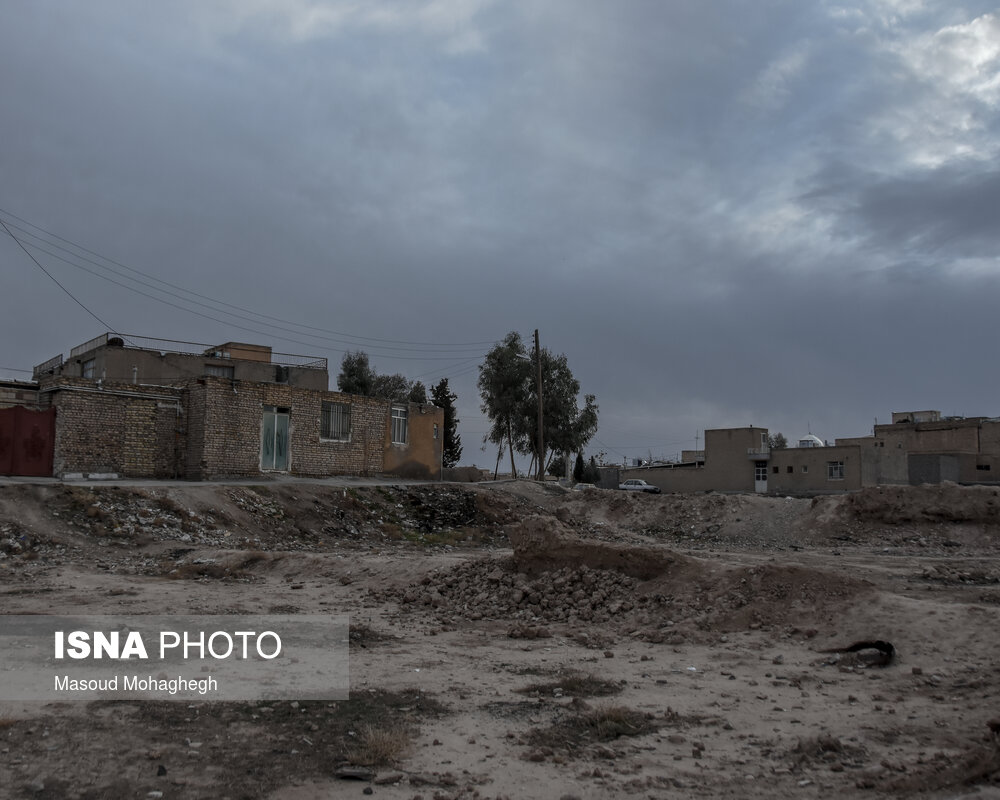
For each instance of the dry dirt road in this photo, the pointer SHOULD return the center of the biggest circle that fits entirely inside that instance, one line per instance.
(625, 646)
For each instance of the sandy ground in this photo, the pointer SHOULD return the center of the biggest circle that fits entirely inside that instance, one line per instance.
(630, 646)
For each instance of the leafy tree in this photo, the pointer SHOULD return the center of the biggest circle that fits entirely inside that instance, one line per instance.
(557, 466)
(578, 468)
(418, 392)
(356, 374)
(395, 388)
(508, 385)
(503, 379)
(777, 441)
(445, 399)
(567, 428)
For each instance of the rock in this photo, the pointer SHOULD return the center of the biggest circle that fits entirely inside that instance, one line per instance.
(354, 773)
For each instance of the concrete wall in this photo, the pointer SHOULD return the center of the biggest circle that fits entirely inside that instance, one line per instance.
(956, 436)
(985, 467)
(133, 365)
(420, 456)
(932, 468)
(728, 467)
(21, 393)
(803, 470)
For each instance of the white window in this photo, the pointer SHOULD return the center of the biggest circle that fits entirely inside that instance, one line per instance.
(399, 414)
(88, 368)
(435, 430)
(335, 422)
(835, 470)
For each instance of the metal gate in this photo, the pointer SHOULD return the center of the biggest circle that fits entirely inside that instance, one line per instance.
(27, 441)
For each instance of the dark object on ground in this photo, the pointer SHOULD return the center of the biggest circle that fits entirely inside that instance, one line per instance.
(882, 657)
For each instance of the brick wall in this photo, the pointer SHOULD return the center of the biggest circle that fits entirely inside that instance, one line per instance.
(211, 427)
(117, 428)
(225, 420)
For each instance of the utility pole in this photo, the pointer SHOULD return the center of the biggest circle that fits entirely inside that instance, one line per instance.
(541, 440)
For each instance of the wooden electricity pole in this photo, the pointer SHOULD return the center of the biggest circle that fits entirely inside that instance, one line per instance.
(541, 440)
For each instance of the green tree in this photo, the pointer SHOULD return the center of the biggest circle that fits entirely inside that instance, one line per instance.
(356, 374)
(445, 399)
(566, 427)
(503, 386)
(508, 385)
(777, 441)
(578, 468)
(418, 393)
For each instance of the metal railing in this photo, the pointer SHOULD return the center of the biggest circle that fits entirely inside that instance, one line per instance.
(191, 348)
(48, 366)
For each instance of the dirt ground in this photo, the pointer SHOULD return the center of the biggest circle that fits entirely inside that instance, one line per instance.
(522, 641)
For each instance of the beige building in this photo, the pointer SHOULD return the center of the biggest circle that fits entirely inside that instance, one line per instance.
(734, 460)
(918, 447)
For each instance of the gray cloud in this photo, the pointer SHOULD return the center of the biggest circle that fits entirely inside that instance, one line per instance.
(775, 213)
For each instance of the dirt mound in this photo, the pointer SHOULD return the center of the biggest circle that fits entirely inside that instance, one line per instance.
(901, 505)
(544, 543)
(556, 576)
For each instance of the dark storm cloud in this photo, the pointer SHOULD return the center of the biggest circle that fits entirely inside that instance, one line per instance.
(723, 213)
(952, 211)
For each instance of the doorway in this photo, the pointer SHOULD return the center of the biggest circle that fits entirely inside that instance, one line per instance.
(274, 439)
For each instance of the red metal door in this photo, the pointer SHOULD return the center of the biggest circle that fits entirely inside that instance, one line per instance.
(27, 441)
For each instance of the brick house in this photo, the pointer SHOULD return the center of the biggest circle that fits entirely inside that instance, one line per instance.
(137, 407)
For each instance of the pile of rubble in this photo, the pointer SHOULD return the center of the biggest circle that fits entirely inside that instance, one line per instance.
(493, 589)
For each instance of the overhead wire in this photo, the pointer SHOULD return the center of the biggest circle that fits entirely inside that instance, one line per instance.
(214, 300)
(53, 279)
(227, 322)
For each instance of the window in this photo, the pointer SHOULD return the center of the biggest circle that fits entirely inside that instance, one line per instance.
(335, 422)
(88, 368)
(435, 430)
(835, 470)
(775, 470)
(790, 469)
(805, 468)
(399, 424)
(760, 471)
(983, 467)
(219, 370)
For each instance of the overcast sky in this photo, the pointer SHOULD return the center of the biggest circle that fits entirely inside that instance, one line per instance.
(783, 214)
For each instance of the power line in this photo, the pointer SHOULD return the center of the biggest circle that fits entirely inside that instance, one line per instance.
(213, 300)
(51, 278)
(216, 319)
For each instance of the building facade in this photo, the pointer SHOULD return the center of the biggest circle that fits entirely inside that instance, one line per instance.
(918, 447)
(235, 410)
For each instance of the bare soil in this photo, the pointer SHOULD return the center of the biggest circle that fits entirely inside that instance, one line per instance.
(521, 641)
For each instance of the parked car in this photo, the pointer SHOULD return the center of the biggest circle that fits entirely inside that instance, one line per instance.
(582, 487)
(636, 485)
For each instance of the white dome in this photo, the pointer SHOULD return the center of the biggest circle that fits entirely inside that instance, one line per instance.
(811, 440)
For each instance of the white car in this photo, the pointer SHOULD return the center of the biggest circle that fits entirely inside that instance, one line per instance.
(636, 485)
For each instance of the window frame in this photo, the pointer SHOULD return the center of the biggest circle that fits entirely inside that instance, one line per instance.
(227, 371)
(399, 423)
(328, 413)
(835, 470)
